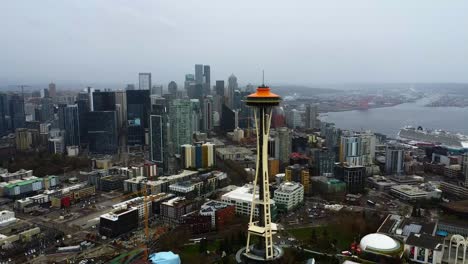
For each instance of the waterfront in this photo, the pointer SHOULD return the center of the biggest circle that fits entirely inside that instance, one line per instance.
(389, 120)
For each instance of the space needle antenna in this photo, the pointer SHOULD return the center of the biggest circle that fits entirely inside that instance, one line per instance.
(263, 77)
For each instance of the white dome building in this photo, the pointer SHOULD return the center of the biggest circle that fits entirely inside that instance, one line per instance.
(376, 247)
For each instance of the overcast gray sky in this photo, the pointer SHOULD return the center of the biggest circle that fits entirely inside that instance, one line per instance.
(297, 42)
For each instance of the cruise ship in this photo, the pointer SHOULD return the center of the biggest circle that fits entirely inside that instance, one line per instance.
(434, 137)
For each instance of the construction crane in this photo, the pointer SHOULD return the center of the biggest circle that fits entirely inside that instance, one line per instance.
(146, 200)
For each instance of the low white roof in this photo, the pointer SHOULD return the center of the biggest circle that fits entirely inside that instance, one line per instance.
(378, 242)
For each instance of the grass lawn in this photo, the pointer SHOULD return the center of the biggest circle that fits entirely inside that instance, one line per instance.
(304, 234)
(193, 250)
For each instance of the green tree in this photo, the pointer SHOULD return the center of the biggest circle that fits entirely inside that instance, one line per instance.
(203, 246)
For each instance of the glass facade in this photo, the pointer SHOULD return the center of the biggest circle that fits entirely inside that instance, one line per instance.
(102, 132)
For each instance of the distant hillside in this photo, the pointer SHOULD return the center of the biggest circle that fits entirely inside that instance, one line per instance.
(305, 90)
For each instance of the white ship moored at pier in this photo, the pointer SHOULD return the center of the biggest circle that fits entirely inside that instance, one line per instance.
(434, 137)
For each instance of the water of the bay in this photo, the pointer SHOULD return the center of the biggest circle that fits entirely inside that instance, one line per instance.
(389, 120)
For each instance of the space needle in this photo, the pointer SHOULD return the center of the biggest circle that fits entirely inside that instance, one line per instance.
(261, 249)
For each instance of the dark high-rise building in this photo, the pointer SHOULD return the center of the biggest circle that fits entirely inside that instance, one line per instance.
(199, 73)
(158, 133)
(45, 93)
(219, 89)
(138, 109)
(324, 161)
(172, 88)
(311, 117)
(195, 91)
(208, 113)
(104, 101)
(46, 110)
(17, 115)
(102, 132)
(228, 121)
(394, 163)
(69, 122)
(206, 80)
(82, 101)
(3, 114)
(353, 176)
(144, 81)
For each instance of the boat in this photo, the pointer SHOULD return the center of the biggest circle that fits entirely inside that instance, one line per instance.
(422, 137)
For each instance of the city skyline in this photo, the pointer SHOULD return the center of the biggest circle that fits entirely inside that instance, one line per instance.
(316, 42)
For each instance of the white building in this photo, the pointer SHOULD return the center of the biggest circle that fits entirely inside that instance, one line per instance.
(289, 195)
(411, 192)
(7, 217)
(241, 197)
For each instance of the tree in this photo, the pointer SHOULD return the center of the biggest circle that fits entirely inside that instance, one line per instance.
(313, 237)
(203, 246)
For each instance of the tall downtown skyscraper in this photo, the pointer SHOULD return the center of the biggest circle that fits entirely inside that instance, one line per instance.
(184, 120)
(17, 114)
(394, 163)
(199, 73)
(232, 87)
(262, 102)
(52, 90)
(69, 122)
(158, 132)
(138, 109)
(203, 77)
(219, 88)
(103, 100)
(172, 89)
(206, 80)
(102, 132)
(144, 81)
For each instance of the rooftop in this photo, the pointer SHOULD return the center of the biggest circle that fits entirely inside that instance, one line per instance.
(244, 193)
(425, 241)
(289, 187)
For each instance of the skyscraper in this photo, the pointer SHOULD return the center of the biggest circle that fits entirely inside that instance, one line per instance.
(465, 168)
(104, 101)
(311, 117)
(208, 113)
(199, 73)
(157, 90)
(172, 88)
(182, 122)
(283, 144)
(219, 89)
(368, 140)
(232, 87)
(159, 133)
(144, 81)
(83, 101)
(206, 80)
(52, 90)
(394, 163)
(69, 122)
(3, 114)
(189, 80)
(17, 115)
(121, 101)
(138, 109)
(102, 132)
(350, 150)
(262, 102)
